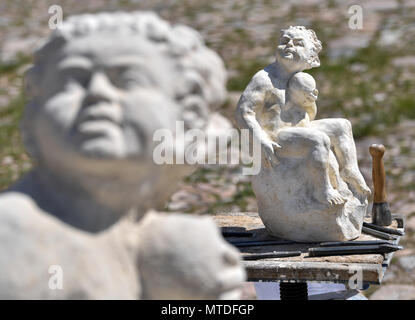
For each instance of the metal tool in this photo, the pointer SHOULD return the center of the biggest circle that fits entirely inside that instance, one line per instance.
(348, 250)
(379, 234)
(353, 243)
(274, 254)
(384, 229)
(381, 214)
(259, 243)
(238, 234)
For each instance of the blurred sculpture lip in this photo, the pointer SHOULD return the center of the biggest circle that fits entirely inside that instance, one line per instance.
(98, 120)
(287, 51)
(100, 112)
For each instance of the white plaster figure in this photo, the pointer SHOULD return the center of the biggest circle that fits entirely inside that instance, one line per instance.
(199, 240)
(310, 187)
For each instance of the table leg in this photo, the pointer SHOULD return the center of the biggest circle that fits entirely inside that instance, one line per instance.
(293, 291)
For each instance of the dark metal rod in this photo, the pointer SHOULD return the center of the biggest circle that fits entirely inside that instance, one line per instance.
(354, 243)
(237, 234)
(379, 234)
(259, 243)
(275, 254)
(383, 229)
(339, 251)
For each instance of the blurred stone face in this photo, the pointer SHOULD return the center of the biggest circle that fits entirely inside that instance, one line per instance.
(295, 49)
(105, 94)
(185, 257)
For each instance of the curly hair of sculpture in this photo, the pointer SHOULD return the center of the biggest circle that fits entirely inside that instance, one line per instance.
(76, 226)
(309, 187)
(308, 34)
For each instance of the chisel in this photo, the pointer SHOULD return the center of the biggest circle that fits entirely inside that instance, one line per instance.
(383, 229)
(259, 243)
(354, 243)
(239, 234)
(349, 250)
(274, 254)
(378, 234)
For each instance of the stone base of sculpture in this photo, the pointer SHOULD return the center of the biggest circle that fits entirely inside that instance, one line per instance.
(289, 211)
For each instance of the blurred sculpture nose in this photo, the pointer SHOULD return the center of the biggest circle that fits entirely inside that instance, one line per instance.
(100, 88)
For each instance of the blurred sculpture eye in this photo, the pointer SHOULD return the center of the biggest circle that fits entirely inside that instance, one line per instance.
(299, 43)
(131, 79)
(80, 76)
(127, 78)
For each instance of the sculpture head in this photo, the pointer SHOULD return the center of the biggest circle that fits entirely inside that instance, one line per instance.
(103, 83)
(298, 48)
(185, 257)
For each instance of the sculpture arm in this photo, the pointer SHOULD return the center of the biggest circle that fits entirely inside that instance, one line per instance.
(250, 103)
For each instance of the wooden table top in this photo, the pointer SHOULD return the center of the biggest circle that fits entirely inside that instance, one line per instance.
(301, 268)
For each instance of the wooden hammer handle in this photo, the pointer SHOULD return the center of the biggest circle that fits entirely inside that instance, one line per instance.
(378, 172)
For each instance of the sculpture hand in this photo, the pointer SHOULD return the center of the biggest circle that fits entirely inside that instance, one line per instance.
(269, 148)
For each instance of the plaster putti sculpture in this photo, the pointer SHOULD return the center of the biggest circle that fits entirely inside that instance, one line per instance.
(99, 88)
(309, 187)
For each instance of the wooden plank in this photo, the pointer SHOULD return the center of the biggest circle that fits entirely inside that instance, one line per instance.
(310, 271)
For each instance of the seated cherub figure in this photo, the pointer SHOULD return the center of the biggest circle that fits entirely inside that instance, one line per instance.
(99, 89)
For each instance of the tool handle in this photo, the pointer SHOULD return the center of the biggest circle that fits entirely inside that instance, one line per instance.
(378, 172)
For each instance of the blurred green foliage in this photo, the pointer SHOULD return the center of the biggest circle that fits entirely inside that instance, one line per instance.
(13, 159)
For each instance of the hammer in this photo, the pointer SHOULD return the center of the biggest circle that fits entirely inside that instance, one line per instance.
(381, 214)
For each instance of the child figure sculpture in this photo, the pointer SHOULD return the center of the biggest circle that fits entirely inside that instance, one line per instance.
(301, 109)
(301, 104)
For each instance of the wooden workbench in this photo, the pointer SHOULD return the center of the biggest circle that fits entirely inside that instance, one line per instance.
(338, 269)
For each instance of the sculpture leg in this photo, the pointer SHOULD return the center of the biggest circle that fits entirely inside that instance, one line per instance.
(334, 171)
(341, 138)
(313, 146)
